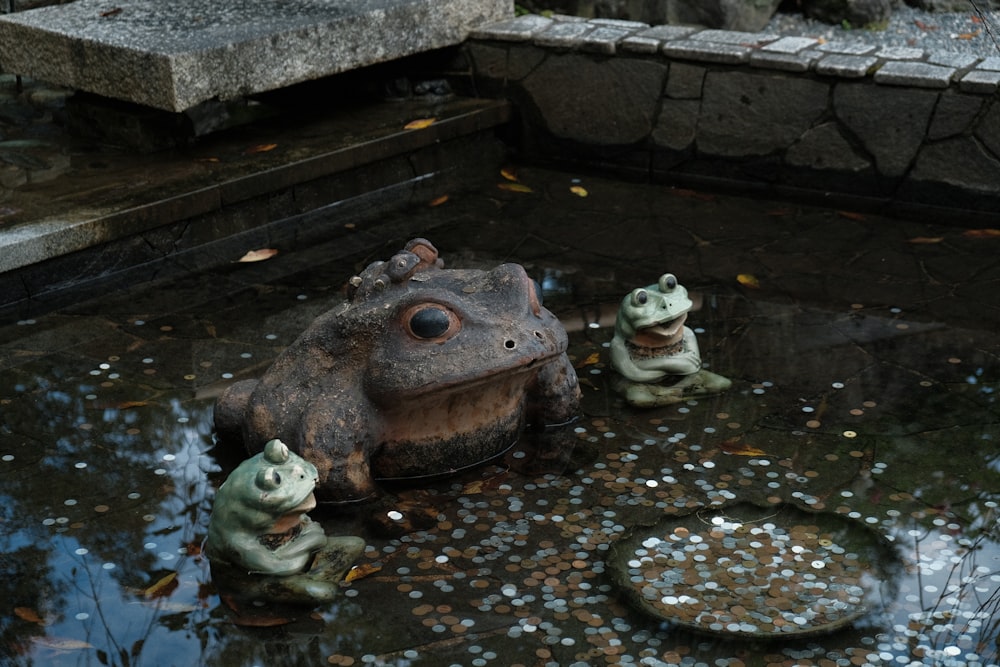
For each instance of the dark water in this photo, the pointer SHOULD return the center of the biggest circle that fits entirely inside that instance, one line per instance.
(864, 357)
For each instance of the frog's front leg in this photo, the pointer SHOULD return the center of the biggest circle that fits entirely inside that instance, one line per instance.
(555, 398)
(339, 442)
(231, 408)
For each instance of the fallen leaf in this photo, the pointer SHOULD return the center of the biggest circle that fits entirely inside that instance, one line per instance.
(419, 123)
(968, 35)
(692, 194)
(778, 212)
(163, 587)
(260, 148)
(258, 255)
(926, 239)
(738, 447)
(260, 621)
(509, 174)
(977, 19)
(981, 233)
(851, 215)
(125, 405)
(207, 159)
(923, 26)
(594, 358)
(361, 571)
(61, 643)
(437, 201)
(29, 614)
(579, 190)
(112, 12)
(514, 187)
(748, 280)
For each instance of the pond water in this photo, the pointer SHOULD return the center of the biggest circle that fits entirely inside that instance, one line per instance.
(864, 359)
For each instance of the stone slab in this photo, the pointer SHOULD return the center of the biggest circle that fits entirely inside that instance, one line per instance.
(175, 55)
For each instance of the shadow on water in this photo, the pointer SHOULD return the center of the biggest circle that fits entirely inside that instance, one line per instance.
(865, 364)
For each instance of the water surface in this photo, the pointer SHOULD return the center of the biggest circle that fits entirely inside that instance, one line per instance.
(864, 357)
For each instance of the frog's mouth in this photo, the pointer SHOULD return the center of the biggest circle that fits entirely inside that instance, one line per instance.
(293, 517)
(661, 334)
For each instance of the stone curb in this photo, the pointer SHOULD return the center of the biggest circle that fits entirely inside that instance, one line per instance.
(903, 128)
(887, 66)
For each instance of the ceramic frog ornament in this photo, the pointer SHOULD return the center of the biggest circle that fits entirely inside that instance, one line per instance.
(423, 371)
(260, 540)
(656, 355)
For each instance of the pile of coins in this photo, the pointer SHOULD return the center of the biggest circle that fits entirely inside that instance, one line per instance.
(749, 580)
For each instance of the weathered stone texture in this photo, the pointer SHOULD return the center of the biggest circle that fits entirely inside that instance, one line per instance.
(961, 162)
(988, 130)
(606, 103)
(757, 114)
(825, 148)
(953, 115)
(685, 81)
(677, 125)
(890, 122)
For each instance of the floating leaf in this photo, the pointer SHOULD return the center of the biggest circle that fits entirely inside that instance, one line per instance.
(594, 358)
(437, 201)
(748, 280)
(738, 447)
(62, 643)
(163, 587)
(851, 215)
(419, 123)
(778, 212)
(261, 621)
(514, 187)
(509, 174)
(981, 233)
(926, 239)
(126, 405)
(258, 255)
(260, 148)
(692, 194)
(361, 571)
(579, 190)
(207, 159)
(29, 614)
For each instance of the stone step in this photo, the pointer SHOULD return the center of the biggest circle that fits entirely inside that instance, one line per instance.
(115, 212)
(176, 55)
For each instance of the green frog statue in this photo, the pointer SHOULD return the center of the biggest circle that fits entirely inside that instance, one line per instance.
(261, 543)
(657, 356)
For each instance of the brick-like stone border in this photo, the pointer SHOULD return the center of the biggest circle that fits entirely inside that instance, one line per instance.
(895, 124)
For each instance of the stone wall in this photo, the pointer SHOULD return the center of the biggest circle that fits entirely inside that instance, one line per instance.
(894, 126)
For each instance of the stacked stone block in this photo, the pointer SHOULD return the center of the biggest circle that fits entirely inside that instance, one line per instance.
(894, 124)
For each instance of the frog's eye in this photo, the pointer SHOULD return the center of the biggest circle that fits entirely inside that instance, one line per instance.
(668, 282)
(431, 321)
(275, 451)
(268, 479)
(639, 297)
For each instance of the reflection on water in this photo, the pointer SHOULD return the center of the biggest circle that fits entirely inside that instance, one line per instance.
(865, 367)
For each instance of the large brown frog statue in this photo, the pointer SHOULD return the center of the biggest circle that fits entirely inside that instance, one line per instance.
(261, 542)
(423, 371)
